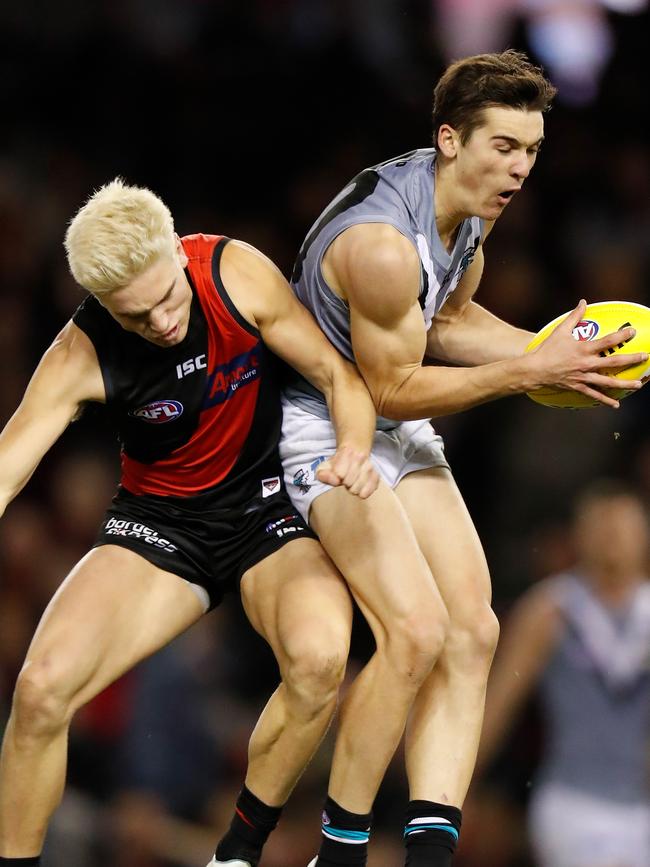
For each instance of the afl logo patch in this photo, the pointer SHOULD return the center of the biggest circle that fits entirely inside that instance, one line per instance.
(159, 411)
(586, 329)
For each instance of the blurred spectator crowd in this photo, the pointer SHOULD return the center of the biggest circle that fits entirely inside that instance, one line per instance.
(247, 118)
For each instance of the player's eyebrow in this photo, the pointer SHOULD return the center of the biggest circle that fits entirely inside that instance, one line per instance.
(137, 314)
(511, 140)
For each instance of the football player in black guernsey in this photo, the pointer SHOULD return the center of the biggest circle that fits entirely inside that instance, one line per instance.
(178, 338)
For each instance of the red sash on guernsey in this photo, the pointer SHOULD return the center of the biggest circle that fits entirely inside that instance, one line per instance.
(232, 378)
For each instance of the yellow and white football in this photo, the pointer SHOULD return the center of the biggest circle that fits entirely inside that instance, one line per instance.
(600, 319)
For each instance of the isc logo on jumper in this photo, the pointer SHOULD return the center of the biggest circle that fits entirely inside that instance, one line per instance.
(159, 411)
(191, 365)
(586, 329)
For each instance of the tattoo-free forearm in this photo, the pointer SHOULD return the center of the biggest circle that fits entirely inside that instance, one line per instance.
(351, 409)
(429, 392)
(474, 336)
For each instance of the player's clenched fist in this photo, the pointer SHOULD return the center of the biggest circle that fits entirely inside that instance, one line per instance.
(351, 468)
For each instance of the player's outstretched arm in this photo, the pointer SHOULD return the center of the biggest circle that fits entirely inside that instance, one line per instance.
(265, 298)
(67, 376)
(381, 277)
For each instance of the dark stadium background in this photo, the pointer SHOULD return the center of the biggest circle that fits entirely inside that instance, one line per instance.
(247, 118)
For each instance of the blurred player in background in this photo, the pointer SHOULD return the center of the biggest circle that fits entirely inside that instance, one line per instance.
(174, 338)
(389, 270)
(581, 642)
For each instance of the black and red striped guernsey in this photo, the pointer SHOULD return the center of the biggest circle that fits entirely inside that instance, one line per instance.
(202, 414)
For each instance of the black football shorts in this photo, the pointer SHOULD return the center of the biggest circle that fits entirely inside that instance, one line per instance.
(198, 540)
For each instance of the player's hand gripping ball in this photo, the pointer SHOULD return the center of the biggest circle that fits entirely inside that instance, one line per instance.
(600, 319)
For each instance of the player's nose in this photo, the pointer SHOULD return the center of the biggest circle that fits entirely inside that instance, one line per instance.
(158, 321)
(520, 169)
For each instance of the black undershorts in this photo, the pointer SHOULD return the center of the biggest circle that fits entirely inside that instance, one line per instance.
(205, 544)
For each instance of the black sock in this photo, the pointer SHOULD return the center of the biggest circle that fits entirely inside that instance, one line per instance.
(20, 862)
(251, 825)
(345, 837)
(431, 834)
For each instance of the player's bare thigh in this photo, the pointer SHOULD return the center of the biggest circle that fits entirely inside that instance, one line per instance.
(296, 598)
(114, 609)
(373, 544)
(447, 537)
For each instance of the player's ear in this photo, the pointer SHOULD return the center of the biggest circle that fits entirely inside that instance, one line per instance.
(182, 255)
(447, 141)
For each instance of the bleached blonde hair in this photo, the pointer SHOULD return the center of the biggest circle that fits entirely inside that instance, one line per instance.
(119, 232)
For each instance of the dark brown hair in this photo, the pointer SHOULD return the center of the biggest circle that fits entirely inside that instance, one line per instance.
(470, 85)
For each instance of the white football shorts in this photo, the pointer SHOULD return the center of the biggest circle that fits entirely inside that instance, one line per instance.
(308, 440)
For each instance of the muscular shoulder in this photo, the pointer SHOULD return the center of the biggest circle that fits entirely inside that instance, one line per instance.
(374, 266)
(253, 282)
(72, 348)
(69, 370)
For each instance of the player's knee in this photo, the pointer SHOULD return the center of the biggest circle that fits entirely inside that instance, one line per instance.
(471, 642)
(414, 642)
(41, 705)
(314, 671)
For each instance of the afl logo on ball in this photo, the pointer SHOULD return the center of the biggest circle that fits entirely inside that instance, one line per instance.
(159, 411)
(586, 329)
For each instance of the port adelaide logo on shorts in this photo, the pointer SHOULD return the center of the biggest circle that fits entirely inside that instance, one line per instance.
(159, 411)
(305, 476)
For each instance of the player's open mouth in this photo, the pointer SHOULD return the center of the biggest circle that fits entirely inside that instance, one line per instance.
(171, 333)
(505, 196)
